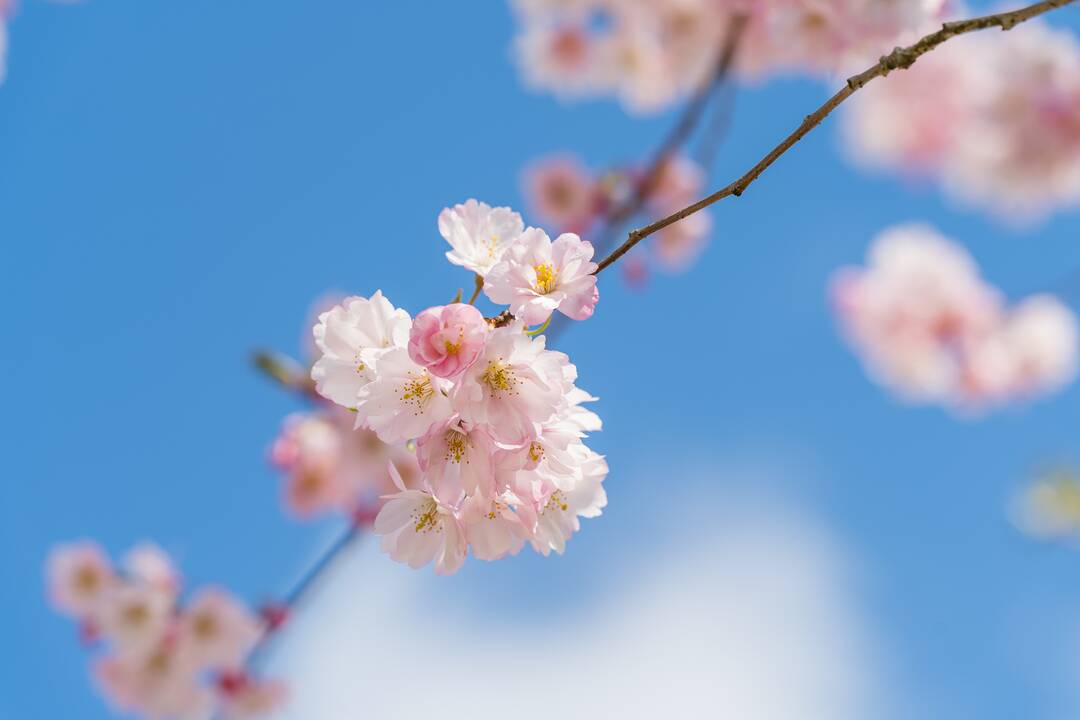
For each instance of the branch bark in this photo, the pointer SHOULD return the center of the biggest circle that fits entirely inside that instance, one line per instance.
(898, 59)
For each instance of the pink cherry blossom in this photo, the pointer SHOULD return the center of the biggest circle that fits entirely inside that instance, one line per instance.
(562, 192)
(514, 387)
(135, 617)
(447, 339)
(157, 685)
(242, 697)
(148, 564)
(329, 465)
(492, 527)
(418, 528)
(930, 328)
(403, 401)
(456, 458)
(216, 630)
(80, 576)
(537, 276)
(995, 119)
(478, 234)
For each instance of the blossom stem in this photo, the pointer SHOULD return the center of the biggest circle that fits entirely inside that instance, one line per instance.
(536, 331)
(284, 370)
(479, 283)
(898, 59)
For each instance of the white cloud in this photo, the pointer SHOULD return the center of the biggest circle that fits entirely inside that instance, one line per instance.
(748, 615)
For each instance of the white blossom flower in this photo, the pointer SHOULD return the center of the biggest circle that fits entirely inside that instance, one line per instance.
(351, 337)
(478, 234)
(403, 401)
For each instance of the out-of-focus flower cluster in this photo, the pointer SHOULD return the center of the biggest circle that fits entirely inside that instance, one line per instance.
(651, 54)
(164, 659)
(565, 194)
(496, 418)
(930, 328)
(995, 118)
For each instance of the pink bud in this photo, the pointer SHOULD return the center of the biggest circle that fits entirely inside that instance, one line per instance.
(446, 339)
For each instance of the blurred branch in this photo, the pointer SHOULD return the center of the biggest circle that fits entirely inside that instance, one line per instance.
(898, 59)
(283, 370)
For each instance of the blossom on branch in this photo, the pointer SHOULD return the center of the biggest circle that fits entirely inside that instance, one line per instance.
(995, 119)
(931, 329)
(478, 234)
(160, 652)
(497, 420)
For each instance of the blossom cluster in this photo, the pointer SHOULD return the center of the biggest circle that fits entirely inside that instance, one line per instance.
(995, 119)
(566, 194)
(496, 418)
(650, 54)
(164, 660)
(931, 329)
(330, 466)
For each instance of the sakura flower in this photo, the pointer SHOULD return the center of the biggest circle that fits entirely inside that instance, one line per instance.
(930, 328)
(136, 616)
(562, 192)
(156, 685)
(514, 387)
(447, 339)
(310, 451)
(418, 528)
(351, 337)
(537, 276)
(561, 58)
(243, 697)
(556, 512)
(216, 630)
(403, 401)
(492, 528)
(478, 234)
(456, 458)
(148, 564)
(80, 576)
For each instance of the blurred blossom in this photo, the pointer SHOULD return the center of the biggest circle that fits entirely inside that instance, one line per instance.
(330, 466)
(651, 54)
(931, 329)
(995, 119)
(1049, 508)
(679, 183)
(161, 657)
(562, 192)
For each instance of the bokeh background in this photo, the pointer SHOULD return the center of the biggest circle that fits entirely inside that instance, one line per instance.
(181, 180)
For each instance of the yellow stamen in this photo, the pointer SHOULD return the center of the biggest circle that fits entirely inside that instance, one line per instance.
(426, 518)
(545, 278)
(499, 377)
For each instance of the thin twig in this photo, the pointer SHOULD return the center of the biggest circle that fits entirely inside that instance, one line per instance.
(898, 59)
(683, 129)
(479, 283)
(284, 370)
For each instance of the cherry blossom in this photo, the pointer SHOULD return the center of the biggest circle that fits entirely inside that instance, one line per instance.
(158, 651)
(330, 466)
(403, 401)
(562, 192)
(995, 120)
(80, 577)
(352, 337)
(930, 328)
(537, 276)
(478, 234)
(495, 419)
(447, 339)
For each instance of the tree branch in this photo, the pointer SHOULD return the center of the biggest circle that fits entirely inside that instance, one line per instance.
(898, 59)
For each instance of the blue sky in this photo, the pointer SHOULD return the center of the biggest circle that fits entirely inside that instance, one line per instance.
(181, 180)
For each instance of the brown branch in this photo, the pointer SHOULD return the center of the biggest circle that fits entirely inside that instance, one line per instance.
(285, 371)
(898, 59)
(684, 127)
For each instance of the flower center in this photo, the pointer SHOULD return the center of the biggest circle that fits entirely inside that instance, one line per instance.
(418, 390)
(87, 580)
(557, 501)
(545, 278)
(426, 517)
(536, 452)
(499, 377)
(205, 626)
(492, 246)
(455, 446)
